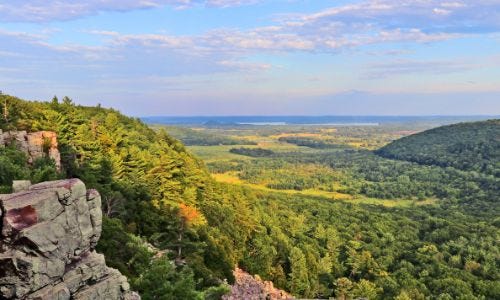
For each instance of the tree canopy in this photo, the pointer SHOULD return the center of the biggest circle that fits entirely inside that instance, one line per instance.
(159, 198)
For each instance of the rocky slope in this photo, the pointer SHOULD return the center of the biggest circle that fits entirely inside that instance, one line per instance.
(250, 287)
(48, 235)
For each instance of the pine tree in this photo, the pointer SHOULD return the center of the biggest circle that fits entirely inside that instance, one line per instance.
(299, 281)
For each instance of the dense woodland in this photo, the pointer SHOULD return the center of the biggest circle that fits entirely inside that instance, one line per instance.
(191, 137)
(360, 172)
(466, 146)
(311, 142)
(158, 196)
(252, 152)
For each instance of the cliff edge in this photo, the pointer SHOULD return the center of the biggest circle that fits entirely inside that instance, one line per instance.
(48, 235)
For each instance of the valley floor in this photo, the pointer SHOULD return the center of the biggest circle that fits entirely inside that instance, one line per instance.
(305, 167)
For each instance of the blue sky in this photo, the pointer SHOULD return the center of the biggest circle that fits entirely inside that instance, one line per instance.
(251, 57)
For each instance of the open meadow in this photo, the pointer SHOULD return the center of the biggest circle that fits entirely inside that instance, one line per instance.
(310, 160)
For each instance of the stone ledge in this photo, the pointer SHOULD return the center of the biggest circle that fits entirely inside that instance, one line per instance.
(48, 235)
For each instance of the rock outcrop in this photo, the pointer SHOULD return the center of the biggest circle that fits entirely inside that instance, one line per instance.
(35, 144)
(250, 287)
(48, 235)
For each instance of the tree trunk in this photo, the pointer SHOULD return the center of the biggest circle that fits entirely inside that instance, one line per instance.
(179, 239)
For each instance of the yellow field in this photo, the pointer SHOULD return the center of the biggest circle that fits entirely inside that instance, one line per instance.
(232, 178)
(217, 153)
(221, 152)
(277, 136)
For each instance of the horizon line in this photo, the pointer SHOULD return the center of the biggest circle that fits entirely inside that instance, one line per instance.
(316, 116)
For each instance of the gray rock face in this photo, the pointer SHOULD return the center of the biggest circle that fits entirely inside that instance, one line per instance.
(21, 185)
(35, 144)
(48, 235)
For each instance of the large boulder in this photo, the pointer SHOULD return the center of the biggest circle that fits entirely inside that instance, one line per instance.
(48, 235)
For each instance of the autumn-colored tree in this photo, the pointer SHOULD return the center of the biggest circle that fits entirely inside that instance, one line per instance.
(190, 217)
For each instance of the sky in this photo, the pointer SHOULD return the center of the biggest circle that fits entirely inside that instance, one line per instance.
(256, 57)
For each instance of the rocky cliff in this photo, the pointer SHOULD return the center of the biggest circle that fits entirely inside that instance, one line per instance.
(48, 235)
(35, 144)
(250, 287)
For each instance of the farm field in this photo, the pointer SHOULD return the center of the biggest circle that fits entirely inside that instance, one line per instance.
(316, 161)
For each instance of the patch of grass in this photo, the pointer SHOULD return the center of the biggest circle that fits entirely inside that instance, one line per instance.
(232, 178)
(218, 153)
(270, 174)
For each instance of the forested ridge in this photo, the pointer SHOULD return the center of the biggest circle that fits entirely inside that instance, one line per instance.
(466, 146)
(158, 195)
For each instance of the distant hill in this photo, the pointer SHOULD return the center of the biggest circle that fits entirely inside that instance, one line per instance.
(191, 137)
(466, 146)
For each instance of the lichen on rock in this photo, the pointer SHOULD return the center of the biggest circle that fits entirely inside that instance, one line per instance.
(48, 235)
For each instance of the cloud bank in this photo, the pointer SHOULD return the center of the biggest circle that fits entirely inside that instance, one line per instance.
(41, 11)
(187, 65)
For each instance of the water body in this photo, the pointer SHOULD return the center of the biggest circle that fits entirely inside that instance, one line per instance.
(314, 124)
(307, 120)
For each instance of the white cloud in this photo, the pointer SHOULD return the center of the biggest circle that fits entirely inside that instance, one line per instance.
(351, 25)
(154, 40)
(440, 11)
(428, 15)
(57, 10)
(453, 4)
(229, 3)
(132, 61)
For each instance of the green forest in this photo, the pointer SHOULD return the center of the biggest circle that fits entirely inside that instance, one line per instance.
(192, 137)
(159, 197)
(466, 146)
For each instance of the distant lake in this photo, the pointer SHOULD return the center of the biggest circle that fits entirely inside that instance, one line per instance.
(263, 123)
(307, 120)
(307, 124)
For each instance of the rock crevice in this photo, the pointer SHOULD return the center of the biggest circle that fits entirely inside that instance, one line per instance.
(48, 235)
